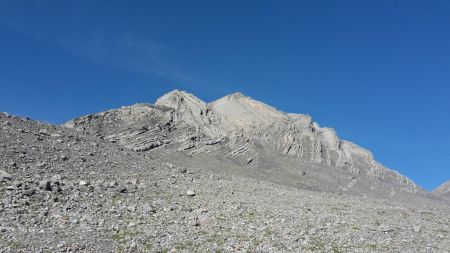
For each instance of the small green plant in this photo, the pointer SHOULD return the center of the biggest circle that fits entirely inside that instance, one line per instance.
(188, 245)
(121, 249)
(122, 234)
(15, 245)
(317, 245)
(372, 246)
(355, 227)
(442, 231)
(268, 232)
(336, 249)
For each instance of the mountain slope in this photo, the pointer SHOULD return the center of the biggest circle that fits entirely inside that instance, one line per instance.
(247, 137)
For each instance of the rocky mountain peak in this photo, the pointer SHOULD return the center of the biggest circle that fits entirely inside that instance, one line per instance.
(444, 189)
(238, 110)
(177, 98)
(187, 107)
(237, 96)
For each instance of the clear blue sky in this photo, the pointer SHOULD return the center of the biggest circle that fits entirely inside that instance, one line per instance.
(376, 71)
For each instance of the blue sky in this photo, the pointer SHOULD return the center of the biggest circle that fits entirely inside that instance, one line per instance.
(376, 71)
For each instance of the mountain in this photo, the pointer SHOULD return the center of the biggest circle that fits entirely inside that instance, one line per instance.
(241, 135)
(443, 190)
(233, 175)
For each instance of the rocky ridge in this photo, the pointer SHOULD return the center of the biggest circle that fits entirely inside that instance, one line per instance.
(246, 132)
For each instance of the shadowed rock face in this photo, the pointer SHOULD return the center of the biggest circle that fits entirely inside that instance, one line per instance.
(247, 133)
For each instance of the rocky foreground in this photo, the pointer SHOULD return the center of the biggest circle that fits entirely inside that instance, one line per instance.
(66, 190)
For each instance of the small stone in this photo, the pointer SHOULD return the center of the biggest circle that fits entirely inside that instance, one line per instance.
(148, 209)
(84, 183)
(17, 184)
(123, 189)
(133, 182)
(44, 213)
(5, 229)
(56, 179)
(203, 219)
(190, 193)
(42, 165)
(183, 170)
(61, 244)
(29, 192)
(100, 222)
(386, 229)
(417, 229)
(45, 185)
(5, 176)
(112, 184)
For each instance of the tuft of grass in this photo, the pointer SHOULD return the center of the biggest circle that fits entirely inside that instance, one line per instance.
(268, 232)
(16, 245)
(317, 245)
(372, 246)
(122, 234)
(355, 227)
(404, 215)
(188, 245)
(442, 231)
(336, 249)
(121, 249)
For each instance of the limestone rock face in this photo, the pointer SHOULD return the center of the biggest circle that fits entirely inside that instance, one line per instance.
(238, 112)
(187, 107)
(239, 130)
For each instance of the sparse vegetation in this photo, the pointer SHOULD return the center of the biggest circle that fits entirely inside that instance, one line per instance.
(372, 246)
